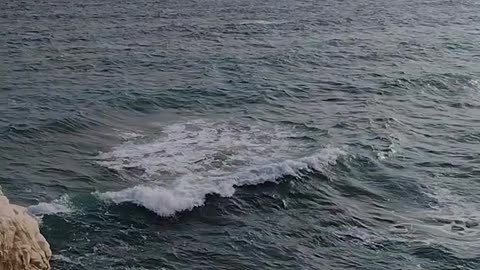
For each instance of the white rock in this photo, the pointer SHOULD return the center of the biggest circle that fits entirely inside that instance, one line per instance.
(22, 247)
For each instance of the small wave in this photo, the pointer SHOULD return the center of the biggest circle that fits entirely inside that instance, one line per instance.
(261, 22)
(190, 192)
(63, 258)
(64, 125)
(58, 206)
(386, 153)
(129, 135)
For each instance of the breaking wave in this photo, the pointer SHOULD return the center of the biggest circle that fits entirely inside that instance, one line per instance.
(184, 162)
(58, 206)
(189, 192)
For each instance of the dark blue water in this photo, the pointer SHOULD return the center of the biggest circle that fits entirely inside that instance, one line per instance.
(245, 134)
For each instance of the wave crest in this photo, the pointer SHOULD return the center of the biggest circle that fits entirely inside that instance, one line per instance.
(190, 192)
(58, 206)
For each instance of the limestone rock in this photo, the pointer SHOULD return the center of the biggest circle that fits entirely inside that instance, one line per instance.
(22, 247)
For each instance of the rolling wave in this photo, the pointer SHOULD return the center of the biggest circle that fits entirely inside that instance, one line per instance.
(58, 206)
(190, 192)
(184, 162)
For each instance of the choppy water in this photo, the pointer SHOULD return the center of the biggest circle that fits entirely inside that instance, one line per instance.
(245, 134)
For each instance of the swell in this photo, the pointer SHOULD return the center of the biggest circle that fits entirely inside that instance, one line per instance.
(440, 86)
(54, 126)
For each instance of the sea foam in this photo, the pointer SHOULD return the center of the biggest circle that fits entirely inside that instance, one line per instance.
(190, 192)
(58, 206)
(185, 162)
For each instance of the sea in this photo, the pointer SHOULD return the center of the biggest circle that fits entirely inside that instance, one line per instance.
(245, 134)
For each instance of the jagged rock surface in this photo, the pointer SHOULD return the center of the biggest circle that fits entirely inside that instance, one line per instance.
(22, 247)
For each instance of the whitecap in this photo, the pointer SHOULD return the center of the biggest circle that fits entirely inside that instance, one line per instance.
(389, 152)
(189, 192)
(183, 162)
(58, 206)
(129, 135)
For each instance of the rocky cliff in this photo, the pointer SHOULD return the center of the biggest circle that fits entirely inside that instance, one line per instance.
(22, 247)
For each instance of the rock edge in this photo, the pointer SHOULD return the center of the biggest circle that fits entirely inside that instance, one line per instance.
(22, 246)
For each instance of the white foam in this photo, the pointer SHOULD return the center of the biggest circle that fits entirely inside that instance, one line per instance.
(389, 152)
(58, 206)
(184, 162)
(63, 258)
(261, 22)
(474, 82)
(189, 192)
(129, 135)
(200, 146)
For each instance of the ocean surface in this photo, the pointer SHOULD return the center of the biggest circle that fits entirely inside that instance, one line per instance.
(245, 134)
